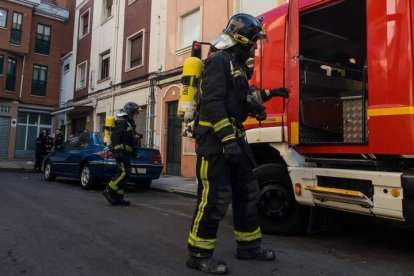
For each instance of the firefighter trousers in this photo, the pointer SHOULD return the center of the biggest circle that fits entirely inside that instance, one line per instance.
(124, 170)
(220, 182)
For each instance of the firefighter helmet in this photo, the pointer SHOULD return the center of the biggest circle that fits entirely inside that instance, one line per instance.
(243, 29)
(131, 108)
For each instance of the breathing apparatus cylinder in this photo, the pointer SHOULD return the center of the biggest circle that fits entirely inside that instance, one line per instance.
(109, 125)
(189, 84)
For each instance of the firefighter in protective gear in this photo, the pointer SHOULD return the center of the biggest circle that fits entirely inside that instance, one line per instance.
(224, 160)
(123, 140)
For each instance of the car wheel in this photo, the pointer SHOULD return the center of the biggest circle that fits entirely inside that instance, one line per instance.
(86, 178)
(278, 211)
(143, 183)
(49, 176)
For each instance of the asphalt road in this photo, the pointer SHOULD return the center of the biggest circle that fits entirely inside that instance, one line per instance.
(56, 228)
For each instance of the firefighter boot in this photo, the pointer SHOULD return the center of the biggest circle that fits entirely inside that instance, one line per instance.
(122, 201)
(110, 196)
(256, 253)
(206, 263)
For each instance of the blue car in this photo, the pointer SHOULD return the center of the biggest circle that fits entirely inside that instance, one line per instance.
(87, 158)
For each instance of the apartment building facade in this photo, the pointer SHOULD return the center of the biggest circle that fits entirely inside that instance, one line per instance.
(110, 61)
(34, 35)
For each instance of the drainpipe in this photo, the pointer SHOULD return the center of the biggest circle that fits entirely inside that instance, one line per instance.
(152, 111)
(113, 82)
(22, 77)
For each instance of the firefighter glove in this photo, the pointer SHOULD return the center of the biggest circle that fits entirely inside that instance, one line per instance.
(232, 152)
(261, 116)
(277, 92)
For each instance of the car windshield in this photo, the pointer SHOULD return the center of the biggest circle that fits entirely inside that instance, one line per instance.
(99, 138)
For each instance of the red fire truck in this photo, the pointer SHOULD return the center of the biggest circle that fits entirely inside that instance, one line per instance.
(344, 137)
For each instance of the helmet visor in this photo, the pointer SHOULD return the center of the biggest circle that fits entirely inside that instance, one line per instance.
(223, 41)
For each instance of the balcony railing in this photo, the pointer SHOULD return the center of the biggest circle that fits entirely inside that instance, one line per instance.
(15, 36)
(11, 83)
(39, 88)
(42, 46)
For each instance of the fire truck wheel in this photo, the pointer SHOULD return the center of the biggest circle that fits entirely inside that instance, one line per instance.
(278, 211)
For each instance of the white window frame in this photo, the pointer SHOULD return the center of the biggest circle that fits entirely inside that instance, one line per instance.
(181, 45)
(6, 14)
(128, 50)
(79, 85)
(39, 126)
(105, 15)
(81, 21)
(102, 56)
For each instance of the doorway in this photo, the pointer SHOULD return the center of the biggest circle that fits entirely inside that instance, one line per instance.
(173, 133)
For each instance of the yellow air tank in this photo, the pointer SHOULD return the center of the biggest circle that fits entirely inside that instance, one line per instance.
(109, 124)
(189, 84)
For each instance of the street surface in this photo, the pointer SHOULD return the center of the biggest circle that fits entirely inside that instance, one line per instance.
(56, 228)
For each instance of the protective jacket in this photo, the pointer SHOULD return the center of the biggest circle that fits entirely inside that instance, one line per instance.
(58, 140)
(223, 108)
(122, 137)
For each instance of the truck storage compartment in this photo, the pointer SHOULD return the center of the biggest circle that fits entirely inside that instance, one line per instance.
(333, 80)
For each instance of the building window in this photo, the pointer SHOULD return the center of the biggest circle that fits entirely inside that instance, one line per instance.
(84, 24)
(105, 61)
(107, 9)
(135, 50)
(190, 26)
(42, 45)
(81, 75)
(102, 117)
(29, 125)
(1, 64)
(39, 80)
(3, 18)
(16, 28)
(11, 75)
(4, 108)
(66, 68)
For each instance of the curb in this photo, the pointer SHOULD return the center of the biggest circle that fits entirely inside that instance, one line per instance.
(173, 191)
(17, 169)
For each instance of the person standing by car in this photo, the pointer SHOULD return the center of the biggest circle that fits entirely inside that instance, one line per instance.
(47, 141)
(122, 141)
(57, 142)
(41, 150)
(224, 160)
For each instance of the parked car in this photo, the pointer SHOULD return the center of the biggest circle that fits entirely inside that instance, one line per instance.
(87, 158)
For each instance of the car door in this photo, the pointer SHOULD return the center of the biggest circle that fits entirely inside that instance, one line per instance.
(59, 156)
(76, 155)
(292, 71)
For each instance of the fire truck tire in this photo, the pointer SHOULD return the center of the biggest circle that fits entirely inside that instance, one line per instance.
(278, 211)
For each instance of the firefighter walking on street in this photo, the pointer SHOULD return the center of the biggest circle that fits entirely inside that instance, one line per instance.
(123, 141)
(224, 160)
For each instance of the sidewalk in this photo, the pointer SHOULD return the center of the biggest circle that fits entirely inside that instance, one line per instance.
(176, 184)
(167, 183)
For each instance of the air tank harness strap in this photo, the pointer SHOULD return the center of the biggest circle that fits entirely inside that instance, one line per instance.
(238, 130)
(121, 146)
(190, 80)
